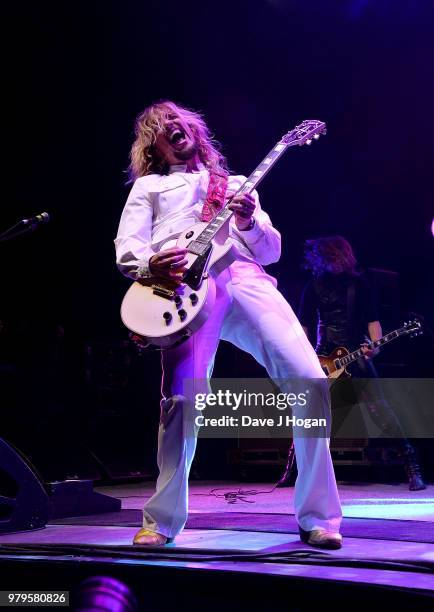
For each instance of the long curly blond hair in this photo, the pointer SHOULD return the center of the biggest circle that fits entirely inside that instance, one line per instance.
(143, 157)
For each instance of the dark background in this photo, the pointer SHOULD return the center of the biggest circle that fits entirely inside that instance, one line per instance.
(77, 74)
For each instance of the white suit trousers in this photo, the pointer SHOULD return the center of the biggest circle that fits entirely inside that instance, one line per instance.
(254, 316)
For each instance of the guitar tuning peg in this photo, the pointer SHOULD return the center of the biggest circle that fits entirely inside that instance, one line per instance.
(309, 142)
(316, 136)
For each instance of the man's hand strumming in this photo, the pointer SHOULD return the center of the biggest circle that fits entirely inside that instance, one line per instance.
(169, 264)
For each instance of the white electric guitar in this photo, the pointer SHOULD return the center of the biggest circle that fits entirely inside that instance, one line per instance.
(162, 313)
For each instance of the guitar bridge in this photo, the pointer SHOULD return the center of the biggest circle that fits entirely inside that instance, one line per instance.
(164, 292)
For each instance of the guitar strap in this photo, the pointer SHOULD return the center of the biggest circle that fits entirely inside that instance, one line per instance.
(215, 197)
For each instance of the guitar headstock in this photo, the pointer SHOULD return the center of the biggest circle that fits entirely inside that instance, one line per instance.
(308, 130)
(413, 328)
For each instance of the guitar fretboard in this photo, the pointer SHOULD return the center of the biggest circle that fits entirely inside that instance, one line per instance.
(248, 186)
(344, 361)
(302, 134)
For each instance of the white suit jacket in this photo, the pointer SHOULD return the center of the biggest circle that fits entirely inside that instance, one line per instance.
(160, 207)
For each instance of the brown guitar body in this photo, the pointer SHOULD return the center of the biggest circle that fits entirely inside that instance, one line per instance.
(330, 363)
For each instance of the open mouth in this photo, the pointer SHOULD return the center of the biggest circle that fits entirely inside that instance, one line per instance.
(176, 136)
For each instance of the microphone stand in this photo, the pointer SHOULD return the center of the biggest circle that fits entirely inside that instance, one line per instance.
(19, 229)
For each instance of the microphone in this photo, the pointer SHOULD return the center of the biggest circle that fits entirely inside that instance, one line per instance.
(33, 222)
(25, 226)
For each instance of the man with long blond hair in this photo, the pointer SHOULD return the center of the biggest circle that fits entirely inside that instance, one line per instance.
(174, 161)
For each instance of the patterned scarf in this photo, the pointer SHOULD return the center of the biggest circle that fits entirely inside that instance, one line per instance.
(215, 197)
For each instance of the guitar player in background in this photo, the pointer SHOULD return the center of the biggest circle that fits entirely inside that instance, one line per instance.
(180, 178)
(341, 303)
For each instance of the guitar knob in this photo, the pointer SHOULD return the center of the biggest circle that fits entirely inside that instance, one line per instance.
(309, 142)
(178, 300)
(194, 299)
(316, 136)
(167, 317)
(182, 314)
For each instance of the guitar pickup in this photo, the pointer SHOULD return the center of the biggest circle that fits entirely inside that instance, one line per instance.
(164, 292)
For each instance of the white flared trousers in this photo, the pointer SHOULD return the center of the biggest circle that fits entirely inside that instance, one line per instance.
(253, 315)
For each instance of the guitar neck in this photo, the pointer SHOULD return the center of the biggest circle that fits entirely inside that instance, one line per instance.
(264, 167)
(302, 134)
(344, 361)
(248, 186)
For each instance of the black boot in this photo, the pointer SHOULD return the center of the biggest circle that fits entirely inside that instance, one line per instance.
(412, 468)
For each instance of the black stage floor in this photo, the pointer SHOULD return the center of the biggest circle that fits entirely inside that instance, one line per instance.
(226, 559)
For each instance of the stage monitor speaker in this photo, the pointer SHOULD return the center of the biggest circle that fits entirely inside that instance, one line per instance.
(27, 503)
(24, 503)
